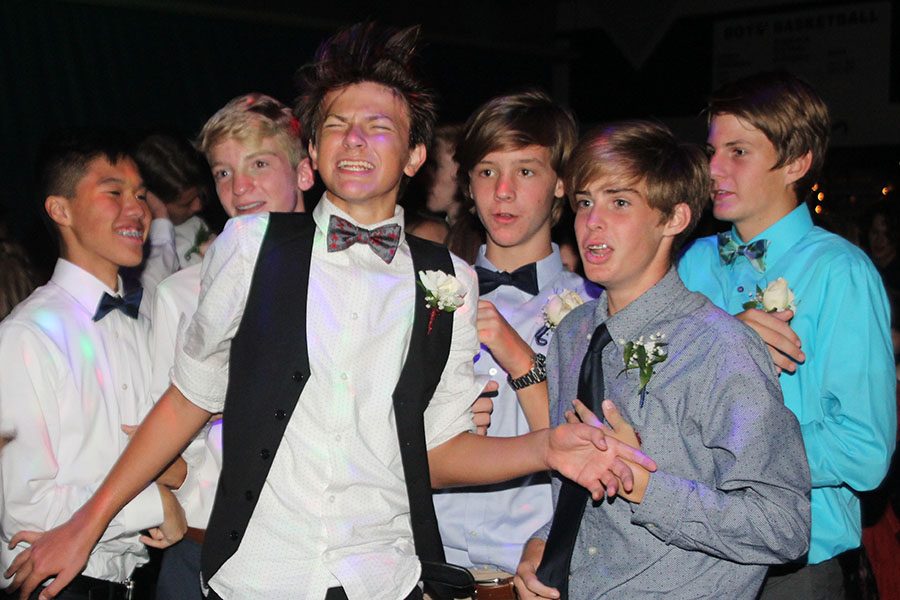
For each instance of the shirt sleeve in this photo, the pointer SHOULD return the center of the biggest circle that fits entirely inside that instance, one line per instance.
(162, 259)
(448, 414)
(757, 510)
(164, 324)
(201, 362)
(851, 439)
(36, 493)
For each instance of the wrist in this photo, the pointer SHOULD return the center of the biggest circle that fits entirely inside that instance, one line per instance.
(535, 374)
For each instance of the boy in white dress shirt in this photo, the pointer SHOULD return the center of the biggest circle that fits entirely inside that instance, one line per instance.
(259, 165)
(511, 155)
(314, 500)
(73, 367)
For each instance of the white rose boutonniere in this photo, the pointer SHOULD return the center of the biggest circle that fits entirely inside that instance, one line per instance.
(443, 293)
(556, 307)
(777, 297)
(642, 355)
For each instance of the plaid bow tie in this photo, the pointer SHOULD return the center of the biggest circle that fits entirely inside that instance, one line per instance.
(755, 252)
(129, 304)
(382, 240)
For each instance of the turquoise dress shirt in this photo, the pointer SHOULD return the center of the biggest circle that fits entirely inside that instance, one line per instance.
(844, 394)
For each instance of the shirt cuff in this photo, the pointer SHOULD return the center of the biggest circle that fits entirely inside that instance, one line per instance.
(162, 231)
(145, 511)
(664, 505)
(199, 383)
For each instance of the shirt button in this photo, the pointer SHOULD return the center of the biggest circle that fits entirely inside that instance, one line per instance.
(740, 288)
(280, 414)
(588, 337)
(265, 454)
(248, 495)
(592, 551)
(124, 386)
(492, 371)
(354, 316)
(337, 438)
(297, 376)
(331, 499)
(233, 535)
(344, 376)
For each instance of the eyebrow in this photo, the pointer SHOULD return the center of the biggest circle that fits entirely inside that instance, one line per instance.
(610, 191)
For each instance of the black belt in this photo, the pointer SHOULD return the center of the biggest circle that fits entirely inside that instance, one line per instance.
(100, 589)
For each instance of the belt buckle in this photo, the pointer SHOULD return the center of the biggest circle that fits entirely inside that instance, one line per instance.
(491, 587)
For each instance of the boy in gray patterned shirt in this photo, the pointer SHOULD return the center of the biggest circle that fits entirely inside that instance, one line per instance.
(730, 494)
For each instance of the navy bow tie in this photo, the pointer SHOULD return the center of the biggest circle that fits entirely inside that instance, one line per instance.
(382, 240)
(129, 304)
(524, 278)
(755, 252)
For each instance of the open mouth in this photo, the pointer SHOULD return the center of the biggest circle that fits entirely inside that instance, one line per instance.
(249, 207)
(356, 166)
(598, 251)
(131, 233)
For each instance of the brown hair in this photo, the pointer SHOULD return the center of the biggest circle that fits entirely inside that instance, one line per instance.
(361, 53)
(254, 117)
(170, 165)
(787, 110)
(529, 118)
(674, 172)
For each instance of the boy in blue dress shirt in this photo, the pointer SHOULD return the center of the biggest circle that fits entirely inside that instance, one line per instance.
(767, 139)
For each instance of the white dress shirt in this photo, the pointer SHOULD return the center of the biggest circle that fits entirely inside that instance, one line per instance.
(168, 252)
(334, 509)
(487, 527)
(67, 385)
(173, 307)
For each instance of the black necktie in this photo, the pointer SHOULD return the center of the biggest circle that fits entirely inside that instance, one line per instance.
(554, 567)
(524, 278)
(129, 304)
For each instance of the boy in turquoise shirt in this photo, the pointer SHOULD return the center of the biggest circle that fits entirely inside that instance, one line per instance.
(830, 340)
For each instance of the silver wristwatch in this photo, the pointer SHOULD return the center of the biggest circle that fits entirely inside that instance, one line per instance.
(537, 374)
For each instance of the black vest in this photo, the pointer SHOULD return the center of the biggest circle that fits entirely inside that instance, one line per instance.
(269, 367)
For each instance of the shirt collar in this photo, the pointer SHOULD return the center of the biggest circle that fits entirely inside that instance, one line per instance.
(783, 234)
(633, 321)
(548, 268)
(86, 289)
(325, 208)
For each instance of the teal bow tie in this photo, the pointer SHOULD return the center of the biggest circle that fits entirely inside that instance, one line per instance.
(755, 252)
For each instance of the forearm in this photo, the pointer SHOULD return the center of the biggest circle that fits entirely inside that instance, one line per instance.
(535, 404)
(760, 524)
(468, 459)
(163, 434)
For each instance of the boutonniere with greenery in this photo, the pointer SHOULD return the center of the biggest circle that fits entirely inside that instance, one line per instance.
(201, 237)
(443, 293)
(555, 309)
(777, 297)
(642, 355)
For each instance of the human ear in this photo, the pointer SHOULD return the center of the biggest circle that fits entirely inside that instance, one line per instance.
(797, 168)
(416, 159)
(57, 208)
(313, 155)
(305, 176)
(678, 220)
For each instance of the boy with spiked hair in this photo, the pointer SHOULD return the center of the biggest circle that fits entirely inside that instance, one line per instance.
(767, 139)
(349, 385)
(511, 155)
(259, 165)
(696, 384)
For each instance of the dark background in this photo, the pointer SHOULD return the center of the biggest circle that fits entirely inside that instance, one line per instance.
(142, 65)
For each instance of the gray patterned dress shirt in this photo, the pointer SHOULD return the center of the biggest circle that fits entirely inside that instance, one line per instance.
(731, 494)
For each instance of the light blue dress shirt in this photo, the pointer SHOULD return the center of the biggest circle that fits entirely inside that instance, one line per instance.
(844, 394)
(487, 526)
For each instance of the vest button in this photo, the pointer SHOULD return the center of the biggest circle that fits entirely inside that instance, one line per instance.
(248, 495)
(280, 414)
(233, 535)
(297, 376)
(265, 454)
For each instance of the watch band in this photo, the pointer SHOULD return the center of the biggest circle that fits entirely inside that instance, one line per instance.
(536, 374)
